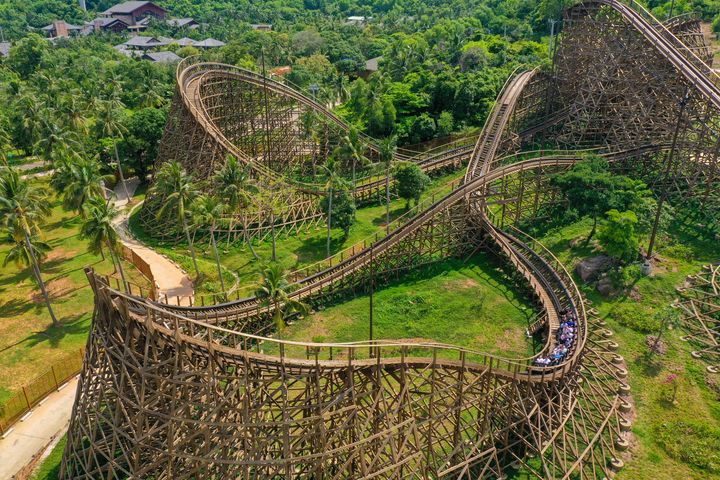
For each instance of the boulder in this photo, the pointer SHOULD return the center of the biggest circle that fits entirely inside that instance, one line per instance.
(590, 268)
(605, 287)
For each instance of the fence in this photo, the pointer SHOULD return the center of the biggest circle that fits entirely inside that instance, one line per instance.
(142, 266)
(33, 393)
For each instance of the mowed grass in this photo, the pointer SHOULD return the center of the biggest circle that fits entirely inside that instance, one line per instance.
(29, 345)
(293, 251)
(469, 304)
(671, 441)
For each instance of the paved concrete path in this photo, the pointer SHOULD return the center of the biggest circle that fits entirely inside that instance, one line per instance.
(170, 278)
(29, 437)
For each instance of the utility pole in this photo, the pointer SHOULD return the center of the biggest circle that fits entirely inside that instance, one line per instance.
(666, 173)
(372, 288)
(552, 23)
(672, 7)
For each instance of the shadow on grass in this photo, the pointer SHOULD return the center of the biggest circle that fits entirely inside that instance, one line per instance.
(314, 249)
(15, 307)
(379, 221)
(650, 364)
(69, 326)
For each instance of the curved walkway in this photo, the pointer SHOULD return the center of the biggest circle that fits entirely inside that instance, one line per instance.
(171, 280)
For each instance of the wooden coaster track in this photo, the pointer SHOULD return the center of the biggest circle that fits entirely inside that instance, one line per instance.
(208, 391)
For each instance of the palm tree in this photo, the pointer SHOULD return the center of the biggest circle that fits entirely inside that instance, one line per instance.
(178, 190)
(205, 211)
(73, 109)
(22, 207)
(387, 154)
(112, 128)
(22, 254)
(274, 290)
(79, 181)
(55, 141)
(98, 227)
(235, 187)
(353, 149)
(333, 183)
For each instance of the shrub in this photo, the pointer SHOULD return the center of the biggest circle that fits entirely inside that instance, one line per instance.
(691, 442)
(630, 316)
(624, 277)
(682, 252)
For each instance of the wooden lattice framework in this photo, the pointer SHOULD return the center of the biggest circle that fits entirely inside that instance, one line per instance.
(700, 309)
(190, 392)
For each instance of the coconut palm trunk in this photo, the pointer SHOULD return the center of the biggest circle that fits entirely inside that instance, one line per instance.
(120, 172)
(329, 225)
(247, 238)
(217, 260)
(190, 245)
(38, 277)
(387, 199)
(117, 260)
(274, 240)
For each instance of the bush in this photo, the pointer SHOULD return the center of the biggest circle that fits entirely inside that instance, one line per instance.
(682, 252)
(624, 277)
(630, 316)
(692, 442)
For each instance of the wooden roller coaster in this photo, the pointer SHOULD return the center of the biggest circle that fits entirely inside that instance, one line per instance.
(208, 392)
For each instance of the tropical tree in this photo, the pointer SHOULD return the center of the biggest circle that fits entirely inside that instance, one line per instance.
(411, 181)
(388, 147)
(98, 227)
(274, 290)
(78, 181)
(22, 254)
(55, 141)
(111, 127)
(334, 183)
(205, 212)
(235, 187)
(352, 150)
(178, 190)
(23, 206)
(618, 236)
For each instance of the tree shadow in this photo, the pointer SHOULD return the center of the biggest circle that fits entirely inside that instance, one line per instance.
(69, 325)
(314, 248)
(650, 364)
(15, 307)
(379, 221)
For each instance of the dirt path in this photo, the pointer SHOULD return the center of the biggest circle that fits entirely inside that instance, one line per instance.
(29, 437)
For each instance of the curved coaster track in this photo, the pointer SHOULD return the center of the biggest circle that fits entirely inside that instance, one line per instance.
(208, 391)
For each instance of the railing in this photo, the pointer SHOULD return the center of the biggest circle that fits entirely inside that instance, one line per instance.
(34, 392)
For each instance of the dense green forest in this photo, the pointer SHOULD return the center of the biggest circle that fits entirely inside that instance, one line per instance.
(442, 65)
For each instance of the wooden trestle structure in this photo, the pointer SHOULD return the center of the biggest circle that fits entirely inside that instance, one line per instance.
(171, 392)
(700, 312)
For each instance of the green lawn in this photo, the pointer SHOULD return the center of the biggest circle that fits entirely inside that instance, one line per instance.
(29, 345)
(471, 304)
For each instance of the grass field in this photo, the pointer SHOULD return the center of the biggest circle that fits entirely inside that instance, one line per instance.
(29, 344)
(470, 304)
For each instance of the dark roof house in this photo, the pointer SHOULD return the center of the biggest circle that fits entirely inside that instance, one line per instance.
(107, 24)
(189, 23)
(162, 57)
(146, 43)
(61, 29)
(133, 13)
(209, 43)
(185, 42)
